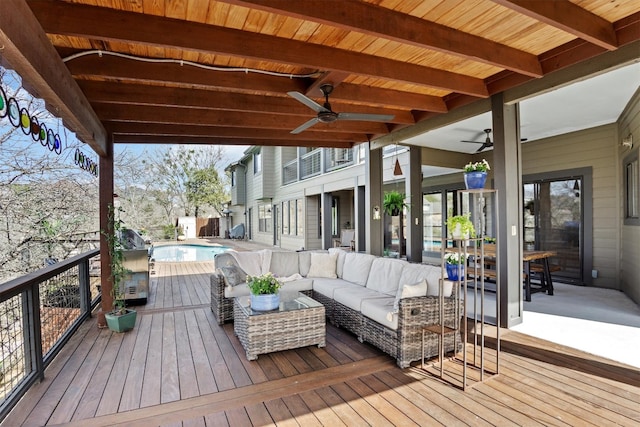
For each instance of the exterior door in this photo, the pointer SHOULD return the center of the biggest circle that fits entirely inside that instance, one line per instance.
(553, 220)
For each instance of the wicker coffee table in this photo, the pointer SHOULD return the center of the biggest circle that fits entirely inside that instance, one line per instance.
(299, 322)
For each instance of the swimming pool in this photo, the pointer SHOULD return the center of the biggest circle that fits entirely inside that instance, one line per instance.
(178, 253)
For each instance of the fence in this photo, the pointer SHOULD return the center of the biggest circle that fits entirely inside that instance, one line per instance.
(38, 314)
(208, 227)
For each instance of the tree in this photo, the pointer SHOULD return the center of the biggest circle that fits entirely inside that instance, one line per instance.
(204, 187)
(48, 205)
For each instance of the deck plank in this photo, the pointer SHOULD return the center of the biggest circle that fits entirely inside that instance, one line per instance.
(179, 367)
(132, 391)
(152, 379)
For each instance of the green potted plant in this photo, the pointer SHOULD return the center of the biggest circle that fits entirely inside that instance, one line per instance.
(120, 318)
(393, 203)
(460, 227)
(264, 292)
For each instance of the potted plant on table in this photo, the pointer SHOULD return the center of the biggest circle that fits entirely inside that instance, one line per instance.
(120, 318)
(454, 263)
(461, 227)
(475, 174)
(264, 292)
(393, 203)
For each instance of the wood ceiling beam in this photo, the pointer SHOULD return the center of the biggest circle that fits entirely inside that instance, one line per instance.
(153, 114)
(27, 50)
(165, 129)
(377, 21)
(143, 139)
(380, 96)
(129, 27)
(568, 17)
(138, 94)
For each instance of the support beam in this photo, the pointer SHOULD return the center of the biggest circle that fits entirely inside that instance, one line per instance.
(413, 183)
(373, 203)
(507, 167)
(27, 50)
(325, 206)
(105, 200)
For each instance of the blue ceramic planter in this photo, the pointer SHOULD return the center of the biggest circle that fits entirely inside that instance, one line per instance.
(452, 271)
(265, 302)
(475, 180)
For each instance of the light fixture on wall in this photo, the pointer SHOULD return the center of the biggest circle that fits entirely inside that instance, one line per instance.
(576, 188)
(628, 142)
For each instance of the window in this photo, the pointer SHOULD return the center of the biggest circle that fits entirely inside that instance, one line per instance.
(233, 177)
(632, 190)
(300, 217)
(264, 218)
(292, 218)
(257, 162)
(285, 217)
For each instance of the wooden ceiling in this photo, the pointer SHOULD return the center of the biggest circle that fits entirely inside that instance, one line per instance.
(218, 72)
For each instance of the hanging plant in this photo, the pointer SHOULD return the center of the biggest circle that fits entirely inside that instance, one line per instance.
(393, 202)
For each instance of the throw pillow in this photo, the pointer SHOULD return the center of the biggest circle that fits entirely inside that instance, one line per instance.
(413, 290)
(323, 265)
(233, 275)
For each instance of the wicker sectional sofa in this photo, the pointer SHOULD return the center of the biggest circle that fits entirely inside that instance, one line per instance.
(383, 301)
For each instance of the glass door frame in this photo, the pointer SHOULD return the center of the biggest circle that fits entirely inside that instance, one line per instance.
(586, 192)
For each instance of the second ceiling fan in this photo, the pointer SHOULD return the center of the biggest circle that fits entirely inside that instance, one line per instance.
(327, 115)
(487, 142)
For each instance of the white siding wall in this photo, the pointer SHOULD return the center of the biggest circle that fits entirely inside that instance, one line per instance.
(312, 237)
(629, 123)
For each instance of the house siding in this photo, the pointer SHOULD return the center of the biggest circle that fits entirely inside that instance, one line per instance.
(629, 124)
(595, 148)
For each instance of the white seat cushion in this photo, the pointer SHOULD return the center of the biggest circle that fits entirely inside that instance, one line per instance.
(297, 285)
(293, 286)
(352, 297)
(381, 310)
(326, 286)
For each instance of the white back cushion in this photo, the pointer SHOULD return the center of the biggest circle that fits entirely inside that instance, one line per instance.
(356, 267)
(323, 265)
(340, 263)
(284, 264)
(385, 275)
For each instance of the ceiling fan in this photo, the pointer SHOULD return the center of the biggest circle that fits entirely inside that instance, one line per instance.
(327, 115)
(487, 142)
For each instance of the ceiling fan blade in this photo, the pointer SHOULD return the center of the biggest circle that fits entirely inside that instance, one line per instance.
(305, 125)
(366, 117)
(307, 101)
(474, 142)
(483, 146)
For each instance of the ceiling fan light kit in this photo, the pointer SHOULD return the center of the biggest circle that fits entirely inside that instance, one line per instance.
(326, 115)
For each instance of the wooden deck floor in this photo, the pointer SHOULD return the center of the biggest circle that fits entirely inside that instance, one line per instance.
(179, 368)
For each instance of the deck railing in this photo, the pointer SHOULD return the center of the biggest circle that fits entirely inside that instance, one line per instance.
(38, 314)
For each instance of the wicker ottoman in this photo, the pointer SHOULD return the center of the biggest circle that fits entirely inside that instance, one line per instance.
(299, 322)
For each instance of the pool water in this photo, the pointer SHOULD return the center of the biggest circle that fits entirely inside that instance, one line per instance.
(177, 253)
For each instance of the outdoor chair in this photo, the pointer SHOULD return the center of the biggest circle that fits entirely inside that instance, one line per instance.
(346, 240)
